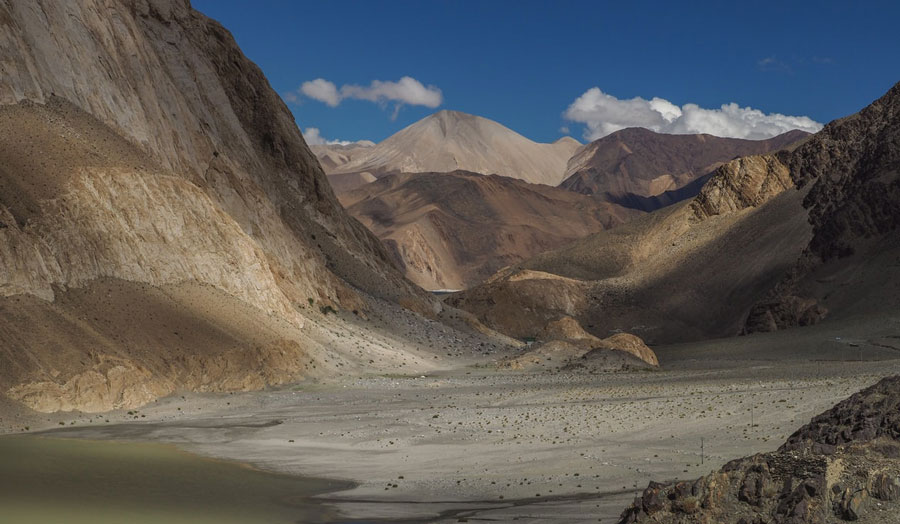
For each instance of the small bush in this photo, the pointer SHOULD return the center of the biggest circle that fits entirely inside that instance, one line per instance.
(327, 309)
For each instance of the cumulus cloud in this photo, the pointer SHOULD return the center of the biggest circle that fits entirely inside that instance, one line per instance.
(314, 137)
(407, 90)
(321, 90)
(603, 114)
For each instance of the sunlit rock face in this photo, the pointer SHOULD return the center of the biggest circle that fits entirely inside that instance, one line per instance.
(138, 144)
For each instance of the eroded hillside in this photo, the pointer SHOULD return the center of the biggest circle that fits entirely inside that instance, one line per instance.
(198, 179)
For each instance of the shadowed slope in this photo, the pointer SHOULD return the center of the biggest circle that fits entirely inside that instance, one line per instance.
(452, 230)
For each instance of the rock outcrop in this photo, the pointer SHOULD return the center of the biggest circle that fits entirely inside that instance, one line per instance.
(842, 466)
(564, 344)
(851, 172)
(139, 146)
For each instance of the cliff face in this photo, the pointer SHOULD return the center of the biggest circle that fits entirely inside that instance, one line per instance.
(852, 172)
(137, 143)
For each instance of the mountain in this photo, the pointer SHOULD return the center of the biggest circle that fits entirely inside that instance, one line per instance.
(842, 466)
(164, 234)
(333, 155)
(686, 272)
(644, 170)
(452, 230)
(851, 173)
(450, 140)
(785, 238)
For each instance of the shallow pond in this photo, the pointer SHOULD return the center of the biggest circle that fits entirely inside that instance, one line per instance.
(46, 480)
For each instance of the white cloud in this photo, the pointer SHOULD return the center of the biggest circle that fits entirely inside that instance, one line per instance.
(321, 90)
(603, 114)
(407, 90)
(314, 137)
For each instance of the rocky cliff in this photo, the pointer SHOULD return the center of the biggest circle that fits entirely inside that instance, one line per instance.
(851, 170)
(842, 466)
(138, 145)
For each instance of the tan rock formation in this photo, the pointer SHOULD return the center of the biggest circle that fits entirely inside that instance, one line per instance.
(563, 343)
(196, 177)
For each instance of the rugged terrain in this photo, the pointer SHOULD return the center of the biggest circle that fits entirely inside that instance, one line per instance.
(842, 466)
(668, 276)
(476, 443)
(450, 141)
(453, 230)
(699, 268)
(644, 170)
(851, 266)
(169, 234)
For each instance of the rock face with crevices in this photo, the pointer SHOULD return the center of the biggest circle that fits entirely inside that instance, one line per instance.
(139, 146)
(851, 174)
(842, 466)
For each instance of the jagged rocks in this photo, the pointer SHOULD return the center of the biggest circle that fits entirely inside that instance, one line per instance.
(830, 469)
(851, 175)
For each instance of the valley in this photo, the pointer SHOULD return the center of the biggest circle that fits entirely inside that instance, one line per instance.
(690, 315)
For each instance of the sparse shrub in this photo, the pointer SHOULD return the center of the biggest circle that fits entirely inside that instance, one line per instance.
(327, 309)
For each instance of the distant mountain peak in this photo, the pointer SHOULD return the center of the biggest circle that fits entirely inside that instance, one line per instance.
(449, 140)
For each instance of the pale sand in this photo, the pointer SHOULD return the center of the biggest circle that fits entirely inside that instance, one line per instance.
(454, 443)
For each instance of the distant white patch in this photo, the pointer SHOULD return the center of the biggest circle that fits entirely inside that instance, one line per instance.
(565, 130)
(314, 138)
(321, 90)
(603, 114)
(405, 91)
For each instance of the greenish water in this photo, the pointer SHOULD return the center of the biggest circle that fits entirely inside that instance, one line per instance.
(49, 480)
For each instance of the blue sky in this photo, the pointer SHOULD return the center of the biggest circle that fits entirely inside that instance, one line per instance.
(525, 63)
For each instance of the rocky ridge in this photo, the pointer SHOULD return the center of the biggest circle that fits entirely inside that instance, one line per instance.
(842, 466)
(851, 170)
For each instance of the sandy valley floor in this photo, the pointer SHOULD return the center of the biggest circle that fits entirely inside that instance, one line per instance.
(475, 443)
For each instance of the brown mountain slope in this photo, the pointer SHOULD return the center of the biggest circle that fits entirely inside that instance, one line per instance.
(696, 269)
(452, 230)
(450, 140)
(850, 267)
(842, 466)
(644, 170)
(688, 271)
(177, 198)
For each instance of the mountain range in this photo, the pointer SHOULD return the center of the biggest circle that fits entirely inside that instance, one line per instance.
(626, 174)
(770, 242)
